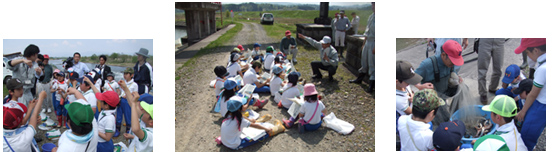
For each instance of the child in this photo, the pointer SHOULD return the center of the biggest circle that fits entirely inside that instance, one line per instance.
(269, 59)
(503, 111)
(310, 112)
(250, 77)
(18, 138)
(59, 88)
(513, 76)
(88, 93)
(124, 108)
(290, 91)
(256, 53)
(234, 123)
(490, 143)
(111, 85)
(234, 68)
(73, 83)
(230, 91)
(414, 130)
(276, 82)
(108, 102)
(142, 139)
(83, 134)
(448, 135)
(524, 87)
(533, 112)
(222, 74)
(405, 76)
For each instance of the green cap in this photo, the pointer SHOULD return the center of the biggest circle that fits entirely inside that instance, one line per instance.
(502, 105)
(427, 100)
(490, 143)
(80, 113)
(149, 108)
(270, 48)
(129, 70)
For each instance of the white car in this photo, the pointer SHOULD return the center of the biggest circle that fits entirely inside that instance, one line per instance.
(7, 72)
(267, 18)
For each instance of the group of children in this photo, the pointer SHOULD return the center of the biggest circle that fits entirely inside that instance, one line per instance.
(282, 86)
(88, 114)
(518, 110)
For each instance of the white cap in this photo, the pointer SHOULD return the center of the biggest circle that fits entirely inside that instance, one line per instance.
(326, 40)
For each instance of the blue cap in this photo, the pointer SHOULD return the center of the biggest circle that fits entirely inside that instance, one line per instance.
(256, 45)
(512, 72)
(146, 98)
(235, 103)
(230, 84)
(277, 69)
(80, 80)
(61, 74)
(448, 135)
(293, 77)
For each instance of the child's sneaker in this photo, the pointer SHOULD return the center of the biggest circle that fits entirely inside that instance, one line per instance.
(287, 123)
(218, 140)
(280, 105)
(116, 134)
(260, 103)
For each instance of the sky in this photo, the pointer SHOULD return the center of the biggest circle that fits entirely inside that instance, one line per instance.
(86, 47)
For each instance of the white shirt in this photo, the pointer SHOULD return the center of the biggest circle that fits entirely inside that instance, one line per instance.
(20, 142)
(219, 85)
(355, 20)
(111, 86)
(106, 123)
(308, 109)
(540, 77)
(250, 77)
(422, 135)
(144, 145)
(230, 135)
(255, 53)
(402, 101)
(98, 83)
(65, 144)
(511, 136)
(91, 99)
(291, 92)
(275, 85)
(133, 87)
(233, 69)
(269, 58)
(63, 85)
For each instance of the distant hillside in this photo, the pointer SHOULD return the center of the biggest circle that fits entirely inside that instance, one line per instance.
(287, 6)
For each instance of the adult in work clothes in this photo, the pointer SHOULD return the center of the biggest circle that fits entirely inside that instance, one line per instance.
(489, 48)
(143, 72)
(288, 45)
(329, 57)
(342, 25)
(367, 55)
(26, 70)
(104, 70)
(44, 83)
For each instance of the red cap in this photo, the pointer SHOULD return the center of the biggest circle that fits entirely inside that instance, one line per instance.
(240, 47)
(287, 32)
(46, 56)
(109, 97)
(454, 50)
(529, 42)
(13, 114)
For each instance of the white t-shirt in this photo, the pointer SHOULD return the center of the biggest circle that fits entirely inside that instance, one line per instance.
(250, 77)
(106, 123)
(144, 145)
(422, 135)
(63, 85)
(20, 142)
(98, 84)
(540, 78)
(269, 58)
(512, 137)
(522, 77)
(133, 87)
(219, 85)
(275, 85)
(308, 109)
(230, 135)
(111, 86)
(91, 99)
(402, 101)
(233, 69)
(291, 92)
(255, 53)
(223, 109)
(65, 144)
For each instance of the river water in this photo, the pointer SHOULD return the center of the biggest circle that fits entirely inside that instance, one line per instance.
(179, 33)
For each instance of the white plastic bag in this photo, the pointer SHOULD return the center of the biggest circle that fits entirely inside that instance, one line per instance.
(212, 84)
(338, 125)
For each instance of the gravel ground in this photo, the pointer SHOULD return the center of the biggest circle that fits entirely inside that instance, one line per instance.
(196, 127)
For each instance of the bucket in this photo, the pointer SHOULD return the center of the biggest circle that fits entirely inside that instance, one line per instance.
(47, 147)
(477, 111)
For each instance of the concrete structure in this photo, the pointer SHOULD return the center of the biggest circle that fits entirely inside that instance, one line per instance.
(354, 46)
(321, 26)
(200, 19)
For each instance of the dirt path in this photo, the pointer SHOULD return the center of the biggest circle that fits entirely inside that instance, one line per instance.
(196, 127)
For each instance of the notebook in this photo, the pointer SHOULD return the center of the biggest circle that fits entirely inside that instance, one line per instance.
(254, 133)
(294, 109)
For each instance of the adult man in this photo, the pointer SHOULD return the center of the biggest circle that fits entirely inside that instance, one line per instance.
(288, 45)
(355, 21)
(329, 57)
(143, 72)
(438, 69)
(489, 48)
(342, 25)
(333, 24)
(78, 66)
(26, 70)
(43, 83)
(367, 55)
(104, 69)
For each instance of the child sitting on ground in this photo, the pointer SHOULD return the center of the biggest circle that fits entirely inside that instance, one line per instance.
(414, 129)
(234, 68)
(290, 91)
(110, 84)
(256, 53)
(234, 123)
(222, 74)
(231, 87)
(250, 77)
(269, 59)
(503, 111)
(277, 82)
(448, 135)
(18, 137)
(142, 139)
(59, 88)
(108, 101)
(311, 111)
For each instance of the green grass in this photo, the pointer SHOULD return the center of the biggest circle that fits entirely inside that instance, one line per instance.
(5, 91)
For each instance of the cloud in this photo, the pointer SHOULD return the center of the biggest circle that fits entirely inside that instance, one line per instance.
(65, 42)
(79, 43)
(119, 40)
